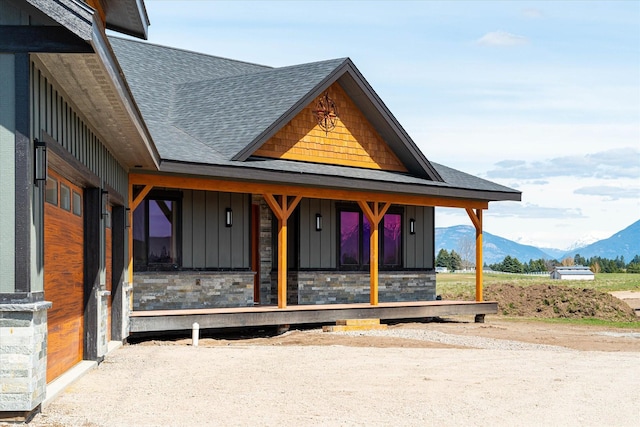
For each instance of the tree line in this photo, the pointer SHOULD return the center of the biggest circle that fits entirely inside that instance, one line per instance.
(453, 261)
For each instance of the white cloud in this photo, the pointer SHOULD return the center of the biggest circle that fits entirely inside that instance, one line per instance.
(501, 38)
(610, 193)
(610, 164)
(532, 13)
(530, 210)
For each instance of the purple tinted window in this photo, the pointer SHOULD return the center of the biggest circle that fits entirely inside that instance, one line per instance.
(161, 232)
(392, 241)
(355, 238)
(349, 238)
(139, 231)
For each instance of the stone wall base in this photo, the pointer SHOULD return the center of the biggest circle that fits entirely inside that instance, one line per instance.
(348, 287)
(23, 358)
(193, 289)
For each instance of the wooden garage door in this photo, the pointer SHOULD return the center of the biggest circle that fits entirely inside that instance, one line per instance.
(63, 274)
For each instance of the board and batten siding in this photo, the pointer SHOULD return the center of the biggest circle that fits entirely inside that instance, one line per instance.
(206, 241)
(54, 114)
(418, 248)
(318, 248)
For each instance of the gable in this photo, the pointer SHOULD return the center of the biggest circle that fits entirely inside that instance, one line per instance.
(352, 142)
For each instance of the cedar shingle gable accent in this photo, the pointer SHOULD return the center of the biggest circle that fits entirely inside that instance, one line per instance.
(353, 142)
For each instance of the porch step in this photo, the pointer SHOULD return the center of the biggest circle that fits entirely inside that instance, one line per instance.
(343, 325)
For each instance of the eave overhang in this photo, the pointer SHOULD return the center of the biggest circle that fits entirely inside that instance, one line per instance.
(73, 51)
(127, 17)
(95, 85)
(370, 104)
(251, 177)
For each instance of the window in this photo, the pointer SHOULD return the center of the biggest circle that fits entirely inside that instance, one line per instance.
(155, 232)
(355, 231)
(65, 197)
(77, 204)
(51, 191)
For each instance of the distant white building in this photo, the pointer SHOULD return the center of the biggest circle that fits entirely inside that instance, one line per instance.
(575, 272)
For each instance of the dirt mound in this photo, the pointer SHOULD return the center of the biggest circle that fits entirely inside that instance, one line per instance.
(547, 301)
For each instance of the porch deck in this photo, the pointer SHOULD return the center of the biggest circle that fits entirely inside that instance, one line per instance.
(266, 315)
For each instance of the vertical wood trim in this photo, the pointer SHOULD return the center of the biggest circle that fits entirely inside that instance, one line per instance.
(282, 210)
(374, 214)
(282, 263)
(476, 219)
(130, 239)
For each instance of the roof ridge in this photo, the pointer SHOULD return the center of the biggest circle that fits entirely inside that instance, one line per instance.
(192, 52)
(251, 73)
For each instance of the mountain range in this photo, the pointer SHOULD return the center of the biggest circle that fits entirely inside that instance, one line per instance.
(461, 238)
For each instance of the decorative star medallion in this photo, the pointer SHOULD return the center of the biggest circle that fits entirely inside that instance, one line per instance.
(326, 113)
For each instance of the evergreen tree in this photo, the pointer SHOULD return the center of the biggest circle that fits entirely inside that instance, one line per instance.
(443, 259)
(455, 261)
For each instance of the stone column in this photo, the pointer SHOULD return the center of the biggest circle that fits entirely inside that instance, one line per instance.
(23, 359)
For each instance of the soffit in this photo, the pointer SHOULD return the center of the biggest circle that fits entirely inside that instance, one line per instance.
(128, 17)
(90, 88)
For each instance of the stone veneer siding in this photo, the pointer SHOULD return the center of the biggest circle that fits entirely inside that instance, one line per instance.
(267, 294)
(344, 287)
(23, 356)
(164, 290)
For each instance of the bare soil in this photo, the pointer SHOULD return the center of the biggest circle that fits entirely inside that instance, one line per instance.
(556, 301)
(588, 377)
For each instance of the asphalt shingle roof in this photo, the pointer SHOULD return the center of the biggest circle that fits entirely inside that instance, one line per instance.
(203, 109)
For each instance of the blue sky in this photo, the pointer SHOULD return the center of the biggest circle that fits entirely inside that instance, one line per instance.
(540, 96)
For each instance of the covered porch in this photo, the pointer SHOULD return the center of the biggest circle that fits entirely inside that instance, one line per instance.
(282, 200)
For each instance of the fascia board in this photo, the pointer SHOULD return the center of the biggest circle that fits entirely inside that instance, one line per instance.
(112, 68)
(338, 182)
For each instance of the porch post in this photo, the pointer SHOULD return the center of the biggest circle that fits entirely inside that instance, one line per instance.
(476, 218)
(374, 215)
(282, 211)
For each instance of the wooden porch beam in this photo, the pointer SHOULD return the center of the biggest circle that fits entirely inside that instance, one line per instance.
(197, 183)
(476, 218)
(282, 210)
(374, 214)
(140, 197)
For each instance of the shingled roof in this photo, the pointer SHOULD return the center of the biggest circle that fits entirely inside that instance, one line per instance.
(208, 115)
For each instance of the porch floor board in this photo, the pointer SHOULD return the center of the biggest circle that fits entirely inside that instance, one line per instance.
(266, 315)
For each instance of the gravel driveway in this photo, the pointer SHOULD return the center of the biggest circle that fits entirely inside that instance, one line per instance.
(483, 381)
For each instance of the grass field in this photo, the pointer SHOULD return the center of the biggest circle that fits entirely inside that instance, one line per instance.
(464, 284)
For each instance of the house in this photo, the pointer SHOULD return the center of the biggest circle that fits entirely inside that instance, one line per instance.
(574, 272)
(146, 187)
